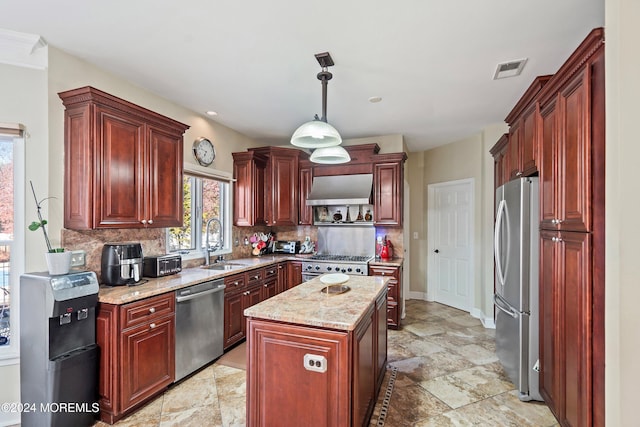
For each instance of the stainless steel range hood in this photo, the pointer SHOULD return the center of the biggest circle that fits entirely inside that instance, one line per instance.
(341, 190)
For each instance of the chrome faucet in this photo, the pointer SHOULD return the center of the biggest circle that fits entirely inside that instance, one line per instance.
(208, 249)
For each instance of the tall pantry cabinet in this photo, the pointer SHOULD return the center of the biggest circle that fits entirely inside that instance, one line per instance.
(572, 237)
(557, 131)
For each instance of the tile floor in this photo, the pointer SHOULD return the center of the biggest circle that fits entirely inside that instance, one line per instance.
(447, 375)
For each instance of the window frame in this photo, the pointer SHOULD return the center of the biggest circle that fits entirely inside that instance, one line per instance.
(10, 355)
(226, 212)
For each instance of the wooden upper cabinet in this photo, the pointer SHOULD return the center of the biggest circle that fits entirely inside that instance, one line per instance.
(249, 170)
(524, 125)
(566, 156)
(123, 163)
(305, 179)
(267, 186)
(388, 189)
(500, 160)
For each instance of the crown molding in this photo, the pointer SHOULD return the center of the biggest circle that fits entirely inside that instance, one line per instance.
(23, 50)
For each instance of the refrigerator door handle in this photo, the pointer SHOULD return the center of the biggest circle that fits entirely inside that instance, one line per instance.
(497, 248)
(499, 302)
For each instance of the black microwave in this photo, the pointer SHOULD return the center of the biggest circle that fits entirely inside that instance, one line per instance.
(161, 265)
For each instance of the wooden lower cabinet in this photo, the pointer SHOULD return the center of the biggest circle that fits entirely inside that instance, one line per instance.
(294, 274)
(394, 295)
(566, 319)
(137, 353)
(282, 391)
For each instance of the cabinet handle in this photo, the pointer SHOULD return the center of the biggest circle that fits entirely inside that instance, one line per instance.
(150, 221)
(235, 283)
(256, 277)
(556, 239)
(152, 326)
(144, 221)
(152, 310)
(519, 174)
(556, 221)
(266, 286)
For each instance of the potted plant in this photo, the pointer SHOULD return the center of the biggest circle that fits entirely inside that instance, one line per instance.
(58, 261)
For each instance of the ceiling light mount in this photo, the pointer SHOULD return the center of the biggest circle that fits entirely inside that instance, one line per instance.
(318, 133)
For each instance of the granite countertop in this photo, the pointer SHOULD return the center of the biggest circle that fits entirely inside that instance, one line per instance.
(306, 305)
(187, 277)
(394, 262)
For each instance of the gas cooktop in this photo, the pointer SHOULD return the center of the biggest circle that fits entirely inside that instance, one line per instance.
(344, 258)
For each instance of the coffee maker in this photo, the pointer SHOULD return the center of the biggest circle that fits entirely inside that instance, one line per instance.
(121, 263)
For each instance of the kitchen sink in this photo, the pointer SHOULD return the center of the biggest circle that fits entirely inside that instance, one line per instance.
(223, 266)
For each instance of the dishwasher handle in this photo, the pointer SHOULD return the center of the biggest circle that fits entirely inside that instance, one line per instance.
(199, 294)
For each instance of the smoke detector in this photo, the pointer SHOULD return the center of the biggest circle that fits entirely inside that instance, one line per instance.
(509, 69)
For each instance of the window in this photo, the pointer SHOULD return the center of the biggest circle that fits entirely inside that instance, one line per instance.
(205, 201)
(11, 236)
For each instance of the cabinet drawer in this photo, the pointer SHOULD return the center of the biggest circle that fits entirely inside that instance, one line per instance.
(383, 271)
(147, 310)
(392, 315)
(270, 271)
(235, 283)
(255, 276)
(392, 293)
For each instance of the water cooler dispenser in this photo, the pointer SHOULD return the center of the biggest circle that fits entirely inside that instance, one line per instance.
(59, 356)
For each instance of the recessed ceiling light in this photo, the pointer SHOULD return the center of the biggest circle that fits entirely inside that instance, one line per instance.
(375, 99)
(211, 113)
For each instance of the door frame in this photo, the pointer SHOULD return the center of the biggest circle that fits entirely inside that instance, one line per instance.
(431, 190)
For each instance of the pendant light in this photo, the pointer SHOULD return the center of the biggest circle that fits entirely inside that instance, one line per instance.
(318, 134)
(330, 155)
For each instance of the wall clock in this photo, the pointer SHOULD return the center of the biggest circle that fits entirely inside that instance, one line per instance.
(204, 151)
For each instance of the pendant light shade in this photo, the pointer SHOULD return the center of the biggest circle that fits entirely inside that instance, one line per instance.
(316, 134)
(330, 155)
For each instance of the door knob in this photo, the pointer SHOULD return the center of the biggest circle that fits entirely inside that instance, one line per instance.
(437, 251)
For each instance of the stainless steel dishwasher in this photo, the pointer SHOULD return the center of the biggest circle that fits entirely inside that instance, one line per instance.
(199, 326)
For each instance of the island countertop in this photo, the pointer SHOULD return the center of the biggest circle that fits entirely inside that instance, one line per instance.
(305, 304)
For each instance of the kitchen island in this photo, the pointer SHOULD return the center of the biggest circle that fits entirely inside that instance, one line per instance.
(315, 358)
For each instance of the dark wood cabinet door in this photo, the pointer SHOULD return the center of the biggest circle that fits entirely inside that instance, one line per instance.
(252, 296)
(381, 341)
(573, 209)
(548, 165)
(566, 326)
(269, 288)
(120, 171)
(365, 358)
(282, 202)
(388, 188)
(165, 207)
(513, 151)
(305, 213)
(148, 360)
(294, 274)
(283, 277)
(550, 371)
(234, 325)
(249, 189)
(529, 141)
(500, 160)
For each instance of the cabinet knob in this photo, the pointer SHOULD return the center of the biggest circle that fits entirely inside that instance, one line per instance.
(235, 283)
(556, 239)
(152, 326)
(150, 221)
(144, 221)
(519, 174)
(266, 286)
(556, 221)
(256, 277)
(152, 310)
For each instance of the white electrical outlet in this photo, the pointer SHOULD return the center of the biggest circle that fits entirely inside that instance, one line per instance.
(313, 362)
(78, 258)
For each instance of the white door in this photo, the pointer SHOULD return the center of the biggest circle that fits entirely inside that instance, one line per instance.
(450, 231)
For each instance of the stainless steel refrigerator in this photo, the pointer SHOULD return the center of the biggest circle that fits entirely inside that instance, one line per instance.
(516, 246)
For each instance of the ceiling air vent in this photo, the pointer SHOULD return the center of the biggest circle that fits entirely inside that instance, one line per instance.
(509, 69)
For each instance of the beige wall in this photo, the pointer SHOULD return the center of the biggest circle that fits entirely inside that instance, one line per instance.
(622, 280)
(23, 92)
(468, 158)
